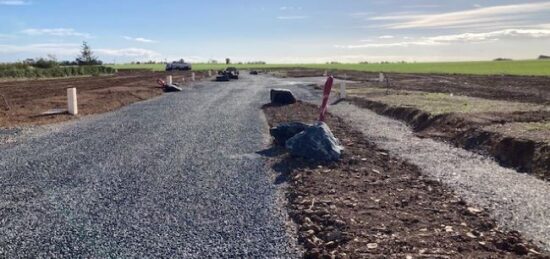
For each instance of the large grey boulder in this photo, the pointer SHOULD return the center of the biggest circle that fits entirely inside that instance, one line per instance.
(282, 96)
(316, 142)
(285, 131)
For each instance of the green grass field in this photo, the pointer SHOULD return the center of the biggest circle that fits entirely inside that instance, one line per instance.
(520, 67)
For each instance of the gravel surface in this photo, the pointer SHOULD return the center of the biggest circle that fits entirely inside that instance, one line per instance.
(175, 176)
(517, 201)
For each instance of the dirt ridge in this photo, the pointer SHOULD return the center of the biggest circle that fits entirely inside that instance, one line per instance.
(524, 155)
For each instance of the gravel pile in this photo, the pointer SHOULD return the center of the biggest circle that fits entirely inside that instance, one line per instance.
(175, 176)
(517, 201)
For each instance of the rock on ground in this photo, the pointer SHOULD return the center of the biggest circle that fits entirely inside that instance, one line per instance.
(316, 142)
(282, 96)
(285, 131)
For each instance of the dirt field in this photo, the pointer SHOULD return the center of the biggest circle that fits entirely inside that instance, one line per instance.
(27, 99)
(505, 117)
(371, 205)
(533, 89)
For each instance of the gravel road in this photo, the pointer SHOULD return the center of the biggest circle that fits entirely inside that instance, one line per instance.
(517, 201)
(175, 176)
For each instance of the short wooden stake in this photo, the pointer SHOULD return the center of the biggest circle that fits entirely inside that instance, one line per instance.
(343, 87)
(169, 79)
(72, 104)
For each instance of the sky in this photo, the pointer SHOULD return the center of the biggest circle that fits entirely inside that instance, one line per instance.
(284, 31)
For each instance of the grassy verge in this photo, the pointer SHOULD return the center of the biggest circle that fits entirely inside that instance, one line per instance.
(440, 103)
(521, 67)
(64, 71)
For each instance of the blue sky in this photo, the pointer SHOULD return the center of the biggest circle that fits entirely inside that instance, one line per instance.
(290, 31)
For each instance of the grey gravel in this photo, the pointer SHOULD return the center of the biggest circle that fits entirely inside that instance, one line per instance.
(517, 201)
(175, 176)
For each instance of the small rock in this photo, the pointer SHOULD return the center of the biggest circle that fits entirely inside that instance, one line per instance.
(372, 245)
(473, 210)
(470, 235)
(282, 96)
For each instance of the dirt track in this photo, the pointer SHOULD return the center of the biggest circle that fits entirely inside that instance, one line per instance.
(28, 99)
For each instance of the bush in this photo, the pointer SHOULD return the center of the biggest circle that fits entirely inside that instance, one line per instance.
(32, 72)
(44, 63)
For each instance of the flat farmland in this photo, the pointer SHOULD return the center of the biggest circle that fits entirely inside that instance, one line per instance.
(520, 67)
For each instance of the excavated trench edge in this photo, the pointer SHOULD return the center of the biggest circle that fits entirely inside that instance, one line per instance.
(523, 155)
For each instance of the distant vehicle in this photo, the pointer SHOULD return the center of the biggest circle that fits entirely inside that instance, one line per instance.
(228, 74)
(254, 72)
(233, 72)
(178, 65)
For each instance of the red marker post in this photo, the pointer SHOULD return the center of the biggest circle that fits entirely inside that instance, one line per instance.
(326, 94)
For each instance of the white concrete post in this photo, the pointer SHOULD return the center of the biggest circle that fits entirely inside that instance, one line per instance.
(381, 77)
(325, 73)
(343, 87)
(169, 79)
(193, 76)
(72, 104)
(209, 73)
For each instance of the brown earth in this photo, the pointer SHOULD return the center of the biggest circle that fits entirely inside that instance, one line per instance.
(533, 89)
(497, 134)
(26, 100)
(372, 205)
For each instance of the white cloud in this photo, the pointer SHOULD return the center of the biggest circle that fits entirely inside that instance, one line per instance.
(59, 32)
(14, 2)
(73, 49)
(457, 38)
(471, 18)
(139, 39)
(292, 17)
(386, 37)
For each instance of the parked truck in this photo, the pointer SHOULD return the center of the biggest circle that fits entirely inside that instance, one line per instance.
(178, 65)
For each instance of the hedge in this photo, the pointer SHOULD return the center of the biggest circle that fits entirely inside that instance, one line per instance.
(63, 71)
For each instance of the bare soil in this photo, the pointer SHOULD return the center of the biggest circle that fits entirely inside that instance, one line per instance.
(373, 205)
(26, 100)
(505, 117)
(533, 89)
